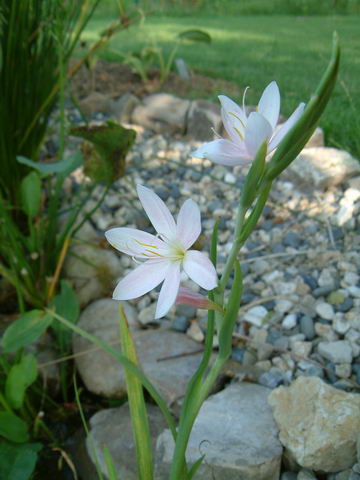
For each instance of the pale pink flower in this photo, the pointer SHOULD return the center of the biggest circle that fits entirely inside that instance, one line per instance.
(163, 255)
(247, 133)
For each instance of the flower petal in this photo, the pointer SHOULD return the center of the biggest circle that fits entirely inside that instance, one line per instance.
(200, 269)
(169, 290)
(195, 299)
(188, 223)
(133, 242)
(141, 280)
(223, 151)
(269, 104)
(258, 130)
(158, 213)
(234, 118)
(290, 122)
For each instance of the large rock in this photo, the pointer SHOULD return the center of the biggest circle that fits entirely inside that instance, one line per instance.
(236, 431)
(104, 376)
(318, 424)
(112, 428)
(322, 167)
(96, 102)
(92, 271)
(162, 113)
(124, 106)
(202, 119)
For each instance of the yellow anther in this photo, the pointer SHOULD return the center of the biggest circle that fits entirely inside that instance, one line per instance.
(147, 244)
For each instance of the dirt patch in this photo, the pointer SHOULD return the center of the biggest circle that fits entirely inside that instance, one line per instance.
(116, 79)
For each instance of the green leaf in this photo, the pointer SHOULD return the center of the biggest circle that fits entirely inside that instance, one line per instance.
(13, 428)
(17, 462)
(195, 35)
(30, 189)
(254, 177)
(295, 140)
(64, 168)
(232, 310)
(139, 418)
(105, 149)
(20, 377)
(110, 467)
(195, 467)
(25, 330)
(66, 305)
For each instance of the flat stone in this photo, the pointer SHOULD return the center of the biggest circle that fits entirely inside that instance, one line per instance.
(256, 315)
(162, 113)
(103, 375)
(322, 167)
(337, 352)
(325, 310)
(289, 321)
(112, 428)
(92, 271)
(236, 432)
(318, 424)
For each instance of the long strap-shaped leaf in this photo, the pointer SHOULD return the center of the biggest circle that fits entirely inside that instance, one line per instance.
(297, 137)
(125, 363)
(138, 413)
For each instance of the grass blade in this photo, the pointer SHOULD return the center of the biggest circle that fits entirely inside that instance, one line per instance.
(138, 413)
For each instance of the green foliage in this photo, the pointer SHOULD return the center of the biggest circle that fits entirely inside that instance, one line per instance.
(149, 57)
(17, 461)
(63, 168)
(253, 7)
(30, 32)
(30, 188)
(20, 377)
(25, 330)
(13, 428)
(67, 305)
(105, 150)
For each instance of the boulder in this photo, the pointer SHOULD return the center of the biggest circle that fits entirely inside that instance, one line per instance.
(124, 106)
(202, 119)
(236, 432)
(112, 428)
(161, 353)
(322, 167)
(318, 424)
(161, 112)
(92, 271)
(96, 102)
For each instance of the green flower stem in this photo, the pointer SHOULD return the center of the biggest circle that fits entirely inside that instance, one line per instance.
(191, 406)
(125, 363)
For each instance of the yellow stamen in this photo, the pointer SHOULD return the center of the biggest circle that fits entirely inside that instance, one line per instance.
(237, 118)
(239, 133)
(154, 253)
(146, 244)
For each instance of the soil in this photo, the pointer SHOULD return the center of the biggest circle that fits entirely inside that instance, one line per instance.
(115, 79)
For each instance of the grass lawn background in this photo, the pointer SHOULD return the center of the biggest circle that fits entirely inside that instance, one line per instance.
(253, 50)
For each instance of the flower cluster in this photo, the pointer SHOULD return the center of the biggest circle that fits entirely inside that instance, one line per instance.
(162, 257)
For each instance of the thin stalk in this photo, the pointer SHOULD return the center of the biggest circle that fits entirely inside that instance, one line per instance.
(234, 250)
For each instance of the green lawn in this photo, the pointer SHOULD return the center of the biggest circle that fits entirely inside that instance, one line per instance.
(253, 50)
